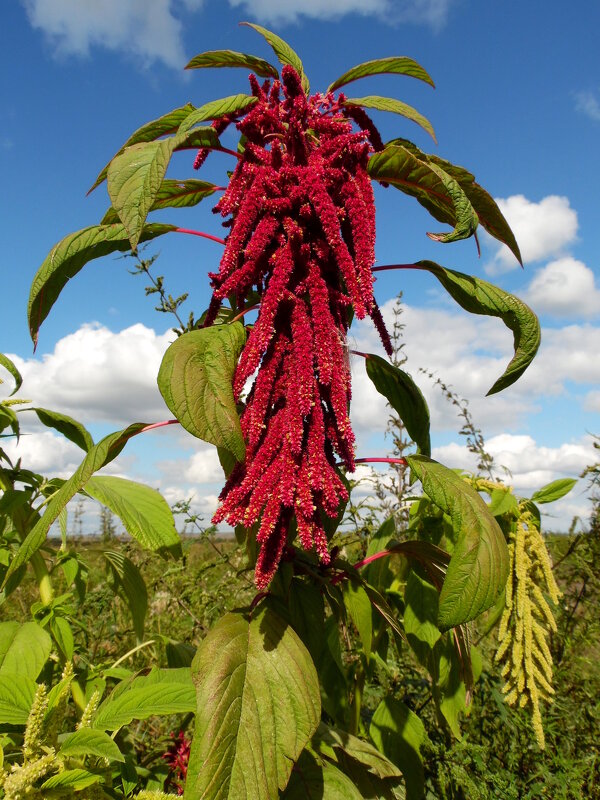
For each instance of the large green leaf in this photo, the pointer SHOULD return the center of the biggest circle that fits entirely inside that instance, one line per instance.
(74, 431)
(195, 381)
(283, 51)
(553, 491)
(358, 605)
(88, 741)
(180, 194)
(480, 297)
(487, 209)
(134, 179)
(231, 58)
(396, 65)
(172, 194)
(233, 104)
(24, 648)
(435, 190)
(478, 569)
(404, 396)
(399, 734)
(128, 581)
(420, 616)
(395, 107)
(10, 367)
(169, 123)
(71, 780)
(484, 204)
(100, 454)
(317, 779)
(161, 693)
(16, 697)
(68, 257)
(143, 511)
(258, 705)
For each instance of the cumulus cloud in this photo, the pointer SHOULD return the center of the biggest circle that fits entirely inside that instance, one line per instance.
(565, 287)
(146, 30)
(542, 229)
(152, 30)
(429, 12)
(591, 401)
(97, 375)
(587, 103)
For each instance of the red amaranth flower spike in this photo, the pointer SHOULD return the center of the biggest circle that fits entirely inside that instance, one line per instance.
(301, 218)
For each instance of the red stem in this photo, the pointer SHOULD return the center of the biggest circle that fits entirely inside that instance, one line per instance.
(396, 266)
(245, 311)
(200, 233)
(159, 425)
(381, 461)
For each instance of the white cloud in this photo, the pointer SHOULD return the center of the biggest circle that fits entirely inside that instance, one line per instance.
(152, 30)
(429, 12)
(97, 375)
(542, 229)
(591, 401)
(565, 287)
(588, 104)
(146, 30)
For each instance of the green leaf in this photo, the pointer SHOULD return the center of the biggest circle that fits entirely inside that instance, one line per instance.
(143, 511)
(258, 705)
(404, 396)
(24, 648)
(395, 107)
(134, 178)
(172, 194)
(393, 65)
(231, 58)
(88, 741)
(195, 380)
(63, 635)
(478, 569)
(484, 204)
(161, 693)
(71, 429)
(399, 734)
(435, 190)
(480, 297)
(169, 123)
(420, 616)
(314, 779)
(378, 572)
(358, 749)
(283, 51)
(233, 104)
(503, 501)
(128, 579)
(73, 779)
(554, 490)
(68, 257)
(16, 697)
(358, 605)
(182, 194)
(10, 367)
(100, 454)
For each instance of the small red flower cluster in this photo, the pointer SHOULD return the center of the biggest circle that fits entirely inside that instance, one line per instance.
(178, 757)
(302, 216)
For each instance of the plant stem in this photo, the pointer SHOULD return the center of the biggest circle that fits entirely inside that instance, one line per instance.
(43, 578)
(200, 233)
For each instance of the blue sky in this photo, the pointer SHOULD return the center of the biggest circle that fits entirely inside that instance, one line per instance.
(517, 101)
